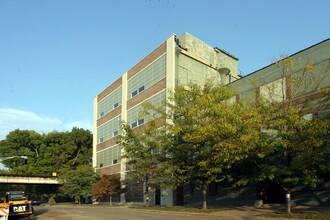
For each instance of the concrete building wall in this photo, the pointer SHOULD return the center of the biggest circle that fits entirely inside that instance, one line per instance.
(198, 61)
(295, 77)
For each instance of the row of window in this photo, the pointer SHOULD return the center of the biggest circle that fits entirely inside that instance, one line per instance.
(140, 82)
(109, 156)
(109, 130)
(137, 123)
(138, 91)
(114, 134)
(110, 102)
(115, 161)
(147, 77)
(114, 106)
(134, 117)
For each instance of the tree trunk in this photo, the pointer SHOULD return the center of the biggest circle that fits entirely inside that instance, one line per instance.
(147, 191)
(110, 200)
(288, 202)
(204, 190)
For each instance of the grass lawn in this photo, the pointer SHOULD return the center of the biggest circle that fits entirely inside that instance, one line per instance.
(180, 209)
(296, 214)
(300, 215)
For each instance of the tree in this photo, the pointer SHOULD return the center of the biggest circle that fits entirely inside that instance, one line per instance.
(297, 149)
(208, 134)
(108, 185)
(70, 149)
(21, 143)
(212, 131)
(205, 134)
(78, 183)
(142, 151)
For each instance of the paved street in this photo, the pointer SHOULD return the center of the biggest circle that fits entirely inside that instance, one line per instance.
(68, 212)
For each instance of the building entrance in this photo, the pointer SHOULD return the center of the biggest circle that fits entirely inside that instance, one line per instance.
(273, 193)
(157, 197)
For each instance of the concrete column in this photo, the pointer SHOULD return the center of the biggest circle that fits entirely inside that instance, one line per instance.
(170, 66)
(95, 133)
(167, 196)
(123, 118)
(170, 62)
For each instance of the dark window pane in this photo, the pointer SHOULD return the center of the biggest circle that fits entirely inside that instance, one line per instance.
(134, 124)
(134, 93)
(141, 89)
(141, 121)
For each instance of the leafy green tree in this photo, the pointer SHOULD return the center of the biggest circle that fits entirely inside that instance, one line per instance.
(296, 151)
(20, 143)
(47, 153)
(83, 141)
(108, 185)
(212, 132)
(78, 183)
(70, 149)
(205, 134)
(143, 154)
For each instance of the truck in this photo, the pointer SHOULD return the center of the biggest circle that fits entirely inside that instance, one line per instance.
(19, 203)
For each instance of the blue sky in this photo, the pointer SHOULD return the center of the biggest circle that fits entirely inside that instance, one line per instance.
(57, 55)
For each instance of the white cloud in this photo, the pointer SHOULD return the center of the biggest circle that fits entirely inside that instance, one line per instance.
(80, 124)
(11, 119)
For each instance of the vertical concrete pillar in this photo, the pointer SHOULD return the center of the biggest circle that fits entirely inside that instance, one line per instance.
(123, 118)
(95, 132)
(170, 86)
(170, 63)
(170, 66)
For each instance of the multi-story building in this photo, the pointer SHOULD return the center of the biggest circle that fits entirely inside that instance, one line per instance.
(184, 59)
(176, 61)
(300, 77)
(303, 80)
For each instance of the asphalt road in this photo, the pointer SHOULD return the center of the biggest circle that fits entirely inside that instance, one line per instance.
(76, 212)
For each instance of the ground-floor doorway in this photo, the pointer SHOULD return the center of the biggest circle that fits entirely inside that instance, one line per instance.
(273, 193)
(157, 197)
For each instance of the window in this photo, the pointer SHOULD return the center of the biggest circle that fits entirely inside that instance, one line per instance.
(138, 91)
(115, 133)
(109, 103)
(109, 156)
(134, 124)
(133, 115)
(134, 93)
(106, 131)
(147, 77)
(141, 89)
(137, 123)
(141, 121)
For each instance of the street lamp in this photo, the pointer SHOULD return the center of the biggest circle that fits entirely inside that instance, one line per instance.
(8, 158)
